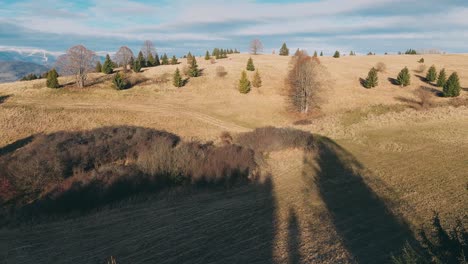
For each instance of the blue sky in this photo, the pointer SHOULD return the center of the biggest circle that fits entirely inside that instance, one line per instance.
(179, 26)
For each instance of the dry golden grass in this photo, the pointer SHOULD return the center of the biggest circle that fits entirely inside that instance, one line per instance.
(413, 161)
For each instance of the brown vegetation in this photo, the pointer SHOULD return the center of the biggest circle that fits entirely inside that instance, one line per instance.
(221, 71)
(270, 139)
(381, 67)
(78, 61)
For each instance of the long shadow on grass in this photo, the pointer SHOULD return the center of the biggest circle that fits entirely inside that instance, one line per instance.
(369, 231)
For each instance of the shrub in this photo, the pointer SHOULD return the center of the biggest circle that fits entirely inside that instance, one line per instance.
(177, 80)
(380, 67)
(257, 80)
(372, 79)
(226, 138)
(421, 68)
(52, 79)
(441, 79)
(425, 98)
(421, 60)
(221, 71)
(452, 86)
(244, 83)
(107, 66)
(250, 65)
(404, 77)
(119, 82)
(431, 74)
(336, 55)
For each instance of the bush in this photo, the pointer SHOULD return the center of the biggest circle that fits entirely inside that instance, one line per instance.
(177, 80)
(431, 74)
(257, 80)
(421, 68)
(52, 79)
(119, 82)
(250, 65)
(336, 55)
(452, 86)
(244, 83)
(381, 67)
(421, 60)
(221, 71)
(441, 79)
(372, 79)
(404, 77)
(425, 98)
(272, 139)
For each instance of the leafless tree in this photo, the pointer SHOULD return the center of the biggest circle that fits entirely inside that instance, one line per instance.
(307, 78)
(256, 46)
(148, 47)
(78, 61)
(123, 57)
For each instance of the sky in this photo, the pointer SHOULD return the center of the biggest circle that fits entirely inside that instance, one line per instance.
(179, 26)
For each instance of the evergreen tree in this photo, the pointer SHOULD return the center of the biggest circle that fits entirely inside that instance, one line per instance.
(193, 69)
(165, 60)
(404, 77)
(141, 59)
(315, 54)
(421, 60)
(189, 58)
(52, 79)
(257, 80)
(336, 55)
(98, 67)
(174, 60)
(207, 56)
(157, 62)
(250, 65)
(372, 79)
(321, 54)
(442, 79)
(284, 51)
(177, 79)
(244, 83)
(108, 66)
(224, 54)
(431, 74)
(119, 82)
(151, 61)
(132, 63)
(137, 66)
(452, 86)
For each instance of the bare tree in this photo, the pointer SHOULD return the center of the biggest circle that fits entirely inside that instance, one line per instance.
(78, 61)
(256, 46)
(123, 57)
(148, 47)
(305, 81)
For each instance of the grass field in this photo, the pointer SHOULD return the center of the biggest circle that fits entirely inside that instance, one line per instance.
(379, 171)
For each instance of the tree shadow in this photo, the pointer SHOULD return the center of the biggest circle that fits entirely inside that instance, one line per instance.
(294, 239)
(393, 81)
(422, 79)
(4, 98)
(15, 145)
(412, 103)
(368, 229)
(362, 81)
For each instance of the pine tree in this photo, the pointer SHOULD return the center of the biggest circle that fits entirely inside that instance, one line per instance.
(177, 79)
(165, 60)
(151, 61)
(157, 62)
(141, 59)
(404, 77)
(132, 63)
(250, 65)
(137, 66)
(315, 54)
(321, 54)
(372, 79)
(52, 79)
(431, 74)
(98, 67)
(174, 60)
(193, 69)
(189, 58)
(119, 82)
(452, 86)
(207, 56)
(257, 80)
(244, 83)
(336, 55)
(442, 79)
(107, 67)
(284, 51)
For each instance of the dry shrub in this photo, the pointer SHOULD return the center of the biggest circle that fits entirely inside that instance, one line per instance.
(186, 70)
(226, 138)
(425, 98)
(271, 139)
(221, 71)
(421, 68)
(458, 101)
(162, 79)
(381, 67)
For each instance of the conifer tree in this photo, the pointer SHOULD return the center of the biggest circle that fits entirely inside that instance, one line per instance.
(244, 83)
(284, 51)
(452, 86)
(207, 56)
(132, 63)
(177, 79)
(431, 74)
(404, 77)
(137, 66)
(257, 80)
(174, 60)
(442, 79)
(315, 54)
(372, 79)
(250, 65)
(141, 59)
(193, 69)
(151, 61)
(321, 54)
(336, 55)
(98, 67)
(189, 58)
(157, 62)
(52, 79)
(107, 67)
(165, 60)
(119, 82)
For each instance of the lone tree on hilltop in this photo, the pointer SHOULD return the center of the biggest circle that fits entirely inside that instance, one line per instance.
(431, 74)
(452, 86)
(256, 46)
(404, 77)
(107, 67)
(442, 79)
(244, 83)
(52, 79)
(123, 57)
(78, 61)
(372, 79)
(250, 65)
(284, 51)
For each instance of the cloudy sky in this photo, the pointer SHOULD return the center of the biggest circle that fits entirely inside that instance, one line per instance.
(179, 26)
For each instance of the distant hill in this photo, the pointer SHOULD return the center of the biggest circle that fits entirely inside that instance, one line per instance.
(11, 71)
(35, 56)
